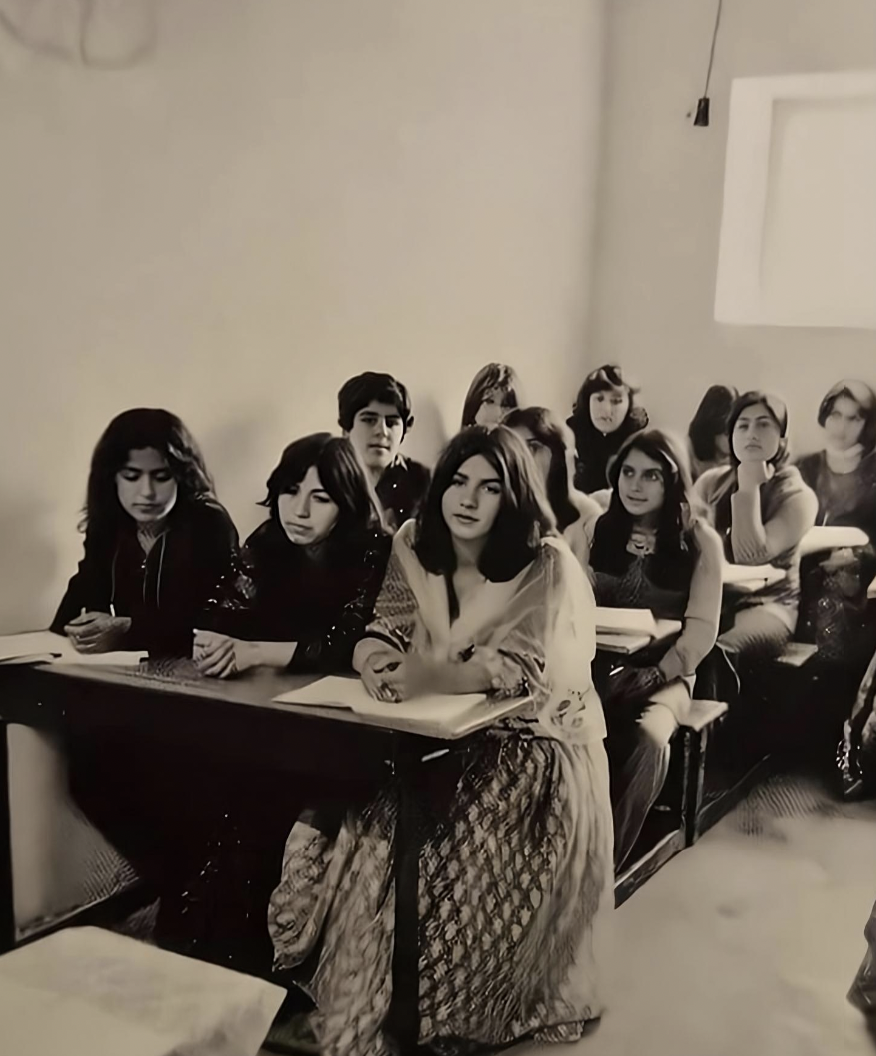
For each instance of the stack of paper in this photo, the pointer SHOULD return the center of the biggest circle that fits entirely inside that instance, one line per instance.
(747, 576)
(625, 621)
(44, 647)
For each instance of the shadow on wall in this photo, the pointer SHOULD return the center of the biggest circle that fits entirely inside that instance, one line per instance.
(27, 601)
(429, 434)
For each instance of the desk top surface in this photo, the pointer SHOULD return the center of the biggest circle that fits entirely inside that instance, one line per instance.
(257, 687)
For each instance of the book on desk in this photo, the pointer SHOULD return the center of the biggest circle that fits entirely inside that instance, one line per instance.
(434, 715)
(629, 630)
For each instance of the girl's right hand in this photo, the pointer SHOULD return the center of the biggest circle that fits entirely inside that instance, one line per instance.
(378, 664)
(750, 475)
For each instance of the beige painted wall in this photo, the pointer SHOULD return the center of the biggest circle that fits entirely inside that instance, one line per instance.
(660, 199)
(282, 195)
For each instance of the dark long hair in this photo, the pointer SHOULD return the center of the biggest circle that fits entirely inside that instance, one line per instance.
(524, 516)
(710, 420)
(494, 376)
(341, 475)
(135, 430)
(674, 540)
(777, 411)
(610, 376)
(550, 432)
(864, 397)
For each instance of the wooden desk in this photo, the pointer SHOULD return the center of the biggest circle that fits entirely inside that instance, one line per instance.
(230, 717)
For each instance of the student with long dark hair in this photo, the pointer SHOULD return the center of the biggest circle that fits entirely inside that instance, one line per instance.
(309, 574)
(494, 391)
(515, 875)
(761, 508)
(374, 410)
(552, 447)
(156, 540)
(707, 433)
(604, 415)
(650, 551)
(156, 543)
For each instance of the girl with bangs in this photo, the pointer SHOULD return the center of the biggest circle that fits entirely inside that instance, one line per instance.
(604, 415)
(480, 596)
(494, 392)
(309, 574)
(761, 508)
(650, 552)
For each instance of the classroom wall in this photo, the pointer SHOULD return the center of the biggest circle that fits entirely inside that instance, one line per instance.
(660, 200)
(278, 196)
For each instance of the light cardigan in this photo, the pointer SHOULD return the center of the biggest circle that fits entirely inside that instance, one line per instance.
(765, 527)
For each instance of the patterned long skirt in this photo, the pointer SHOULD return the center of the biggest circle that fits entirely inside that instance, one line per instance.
(516, 883)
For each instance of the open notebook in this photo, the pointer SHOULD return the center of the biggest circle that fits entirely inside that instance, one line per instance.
(438, 715)
(44, 647)
(629, 630)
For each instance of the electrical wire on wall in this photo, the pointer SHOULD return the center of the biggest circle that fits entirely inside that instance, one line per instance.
(702, 115)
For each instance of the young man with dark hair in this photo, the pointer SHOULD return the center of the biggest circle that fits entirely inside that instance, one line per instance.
(374, 411)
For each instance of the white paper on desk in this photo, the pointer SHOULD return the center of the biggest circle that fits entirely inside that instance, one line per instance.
(625, 621)
(742, 575)
(333, 692)
(35, 647)
(31, 647)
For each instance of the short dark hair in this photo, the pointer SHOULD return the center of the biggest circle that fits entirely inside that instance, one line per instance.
(778, 412)
(492, 377)
(135, 430)
(524, 517)
(710, 420)
(557, 438)
(864, 397)
(372, 387)
(340, 473)
(608, 553)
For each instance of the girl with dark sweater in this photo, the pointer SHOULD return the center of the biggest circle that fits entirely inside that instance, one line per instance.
(156, 541)
(649, 551)
(605, 414)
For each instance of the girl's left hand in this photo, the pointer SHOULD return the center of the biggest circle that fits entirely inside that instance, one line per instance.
(219, 656)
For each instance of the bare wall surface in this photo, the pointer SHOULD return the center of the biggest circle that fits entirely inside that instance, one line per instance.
(660, 199)
(277, 196)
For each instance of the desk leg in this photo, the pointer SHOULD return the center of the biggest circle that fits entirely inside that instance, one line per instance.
(403, 1021)
(7, 894)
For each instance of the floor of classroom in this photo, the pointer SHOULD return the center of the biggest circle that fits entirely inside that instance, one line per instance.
(748, 942)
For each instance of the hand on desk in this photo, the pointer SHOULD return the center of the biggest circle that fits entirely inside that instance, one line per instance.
(219, 656)
(97, 632)
(387, 675)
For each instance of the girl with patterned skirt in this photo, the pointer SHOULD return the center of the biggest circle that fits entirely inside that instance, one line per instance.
(516, 869)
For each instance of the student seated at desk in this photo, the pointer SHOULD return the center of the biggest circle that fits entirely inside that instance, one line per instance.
(551, 445)
(605, 414)
(156, 541)
(761, 508)
(843, 477)
(649, 552)
(515, 874)
(494, 392)
(309, 574)
(374, 410)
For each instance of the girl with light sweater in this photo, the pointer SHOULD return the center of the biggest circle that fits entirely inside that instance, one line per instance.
(761, 508)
